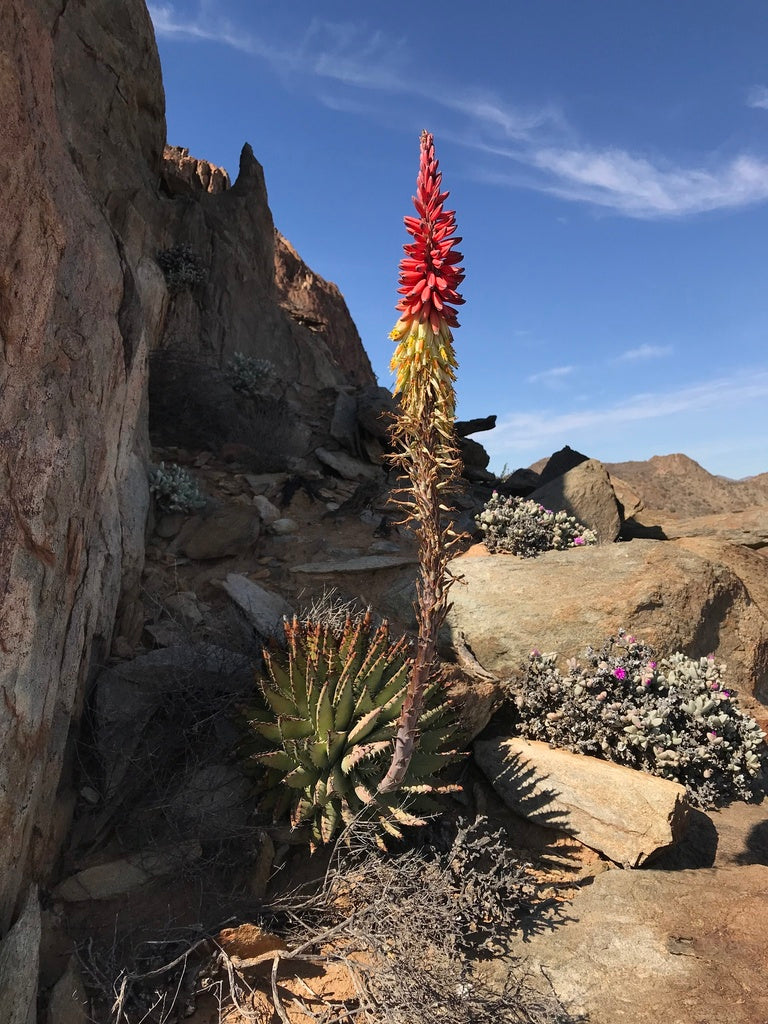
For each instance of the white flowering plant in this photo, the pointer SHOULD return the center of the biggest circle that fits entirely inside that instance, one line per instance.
(524, 527)
(675, 717)
(250, 375)
(175, 489)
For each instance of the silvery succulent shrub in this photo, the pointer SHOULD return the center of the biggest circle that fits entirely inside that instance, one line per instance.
(523, 527)
(182, 268)
(674, 717)
(175, 489)
(249, 375)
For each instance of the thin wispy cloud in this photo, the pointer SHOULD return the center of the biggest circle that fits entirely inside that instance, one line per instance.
(534, 145)
(552, 377)
(633, 355)
(633, 185)
(757, 97)
(530, 430)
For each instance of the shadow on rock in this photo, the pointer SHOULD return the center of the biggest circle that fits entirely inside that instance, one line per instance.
(756, 846)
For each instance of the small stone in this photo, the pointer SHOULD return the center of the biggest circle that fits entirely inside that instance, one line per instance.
(185, 608)
(122, 647)
(229, 530)
(168, 526)
(365, 563)
(68, 1002)
(268, 513)
(119, 877)
(383, 547)
(261, 869)
(346, 466)
(282, 527)
(264, 610)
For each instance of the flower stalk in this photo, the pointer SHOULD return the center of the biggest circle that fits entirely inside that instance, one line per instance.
(423, 433)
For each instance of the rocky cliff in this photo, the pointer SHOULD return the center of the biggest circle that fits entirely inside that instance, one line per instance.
(81, 302)
(90, 200)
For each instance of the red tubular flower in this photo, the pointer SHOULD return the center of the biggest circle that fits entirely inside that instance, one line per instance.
(430, 273)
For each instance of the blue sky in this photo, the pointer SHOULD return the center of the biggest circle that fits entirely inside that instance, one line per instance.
(608, 164)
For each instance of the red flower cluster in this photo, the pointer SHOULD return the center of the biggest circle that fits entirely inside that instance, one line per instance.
(429, 273)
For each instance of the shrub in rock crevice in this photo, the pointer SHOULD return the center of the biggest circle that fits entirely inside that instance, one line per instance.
(175, 489)
(251, 376)
(674, 717)
(182, 268)
(523, 527)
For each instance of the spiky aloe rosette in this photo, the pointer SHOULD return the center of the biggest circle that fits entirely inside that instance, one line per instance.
(423, 433)
(331, 702)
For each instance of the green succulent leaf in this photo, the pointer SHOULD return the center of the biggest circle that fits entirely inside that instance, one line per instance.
(365, 725)
(277, 759)
(300, 777)
(279, 702)
(360, 753)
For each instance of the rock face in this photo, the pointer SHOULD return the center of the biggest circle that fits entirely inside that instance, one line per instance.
(677, 946)
(185, 175)
(627, 815)
(564, 600)
(251, 294)
(81, 302)
(318, 305)
(584, 492)
(19, 960)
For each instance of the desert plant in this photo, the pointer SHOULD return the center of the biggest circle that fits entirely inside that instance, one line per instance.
(175, 489)
(524, 527)
(674, 717)
(182, 268)
(423, 433)
(330, 706)
(251, 376)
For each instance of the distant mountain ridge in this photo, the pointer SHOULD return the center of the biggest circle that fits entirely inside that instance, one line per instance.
(678, 484)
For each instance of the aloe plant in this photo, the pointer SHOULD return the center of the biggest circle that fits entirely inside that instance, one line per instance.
(423, 433)
(329, 712)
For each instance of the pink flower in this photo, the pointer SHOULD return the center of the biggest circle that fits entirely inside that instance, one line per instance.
(578, 541)
(620, 673)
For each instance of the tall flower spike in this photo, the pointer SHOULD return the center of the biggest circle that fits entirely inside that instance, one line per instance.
(423, 432)
(429, 277)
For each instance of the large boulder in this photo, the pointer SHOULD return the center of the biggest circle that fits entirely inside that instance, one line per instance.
(564, 600)
(558, 463)
(628, 816)
(584, 492)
